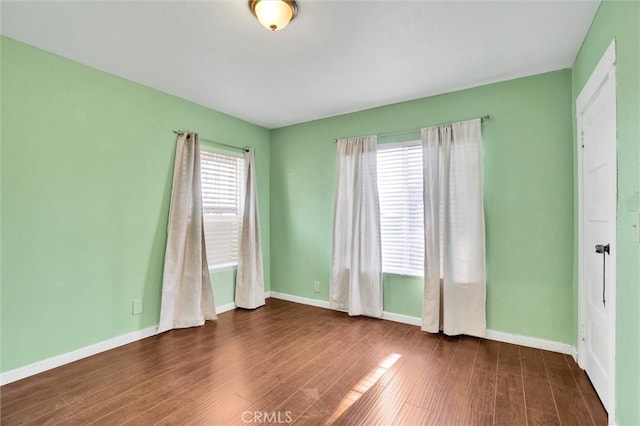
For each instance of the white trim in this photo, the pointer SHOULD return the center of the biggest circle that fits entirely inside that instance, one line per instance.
(574, 354)
(604, 72)
(389, 316)
(229, 266)
(500, 336)
(404, 319)
(299, 299)
(213, 147)
(597, 78)
(225, 308)
(66, 358)
(580, 242)
(531, 342)
(87, 351)
(231, 305)
(393, 145)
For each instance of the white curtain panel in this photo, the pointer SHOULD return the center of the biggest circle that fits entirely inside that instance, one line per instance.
(431, 138)
(356, 268)
(250, 278)
(187, 299)
(454, 225)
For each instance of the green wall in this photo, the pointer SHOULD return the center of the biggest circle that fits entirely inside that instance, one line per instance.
(621, 20)
(87, 161)
(528, 200)
(1, 127)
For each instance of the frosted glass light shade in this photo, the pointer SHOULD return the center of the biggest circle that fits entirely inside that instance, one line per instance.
(273, 14)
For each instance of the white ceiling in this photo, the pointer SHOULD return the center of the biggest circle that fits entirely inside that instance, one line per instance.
(334, 57)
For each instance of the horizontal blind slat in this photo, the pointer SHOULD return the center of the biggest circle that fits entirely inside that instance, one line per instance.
(221, 182)
(401, 210)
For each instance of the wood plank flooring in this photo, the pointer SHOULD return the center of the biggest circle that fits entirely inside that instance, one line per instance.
(291, 363)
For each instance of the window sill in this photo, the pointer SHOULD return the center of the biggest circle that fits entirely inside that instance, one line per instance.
(223, 267)
(402, 274)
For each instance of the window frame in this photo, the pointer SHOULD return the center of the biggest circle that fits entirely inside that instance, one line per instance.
(391, 146)
(204, 148)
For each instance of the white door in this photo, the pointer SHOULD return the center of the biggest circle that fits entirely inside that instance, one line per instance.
(597, 142)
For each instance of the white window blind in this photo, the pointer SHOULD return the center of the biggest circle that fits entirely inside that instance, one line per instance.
(221, 177)
(401, 209)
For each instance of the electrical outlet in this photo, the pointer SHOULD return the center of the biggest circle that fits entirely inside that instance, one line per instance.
(136, 306)
(316, 286)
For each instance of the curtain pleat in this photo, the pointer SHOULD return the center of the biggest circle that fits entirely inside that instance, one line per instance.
(454, 224)
(431, 199)
(356, 269)
(250, 278)
(187, 299)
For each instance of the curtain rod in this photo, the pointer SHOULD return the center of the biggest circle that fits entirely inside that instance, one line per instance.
(245, 149)
(401, 132)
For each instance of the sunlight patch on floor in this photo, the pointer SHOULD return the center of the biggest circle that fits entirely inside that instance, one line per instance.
(363, 386)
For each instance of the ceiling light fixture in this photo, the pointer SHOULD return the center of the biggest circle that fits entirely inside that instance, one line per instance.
(274, 14)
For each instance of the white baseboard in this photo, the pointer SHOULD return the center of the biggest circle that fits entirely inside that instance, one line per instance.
(531, 342)
(231, 305)
(405, 319)
(299, 299)
(66, 358)
(500, 336)
(389, 316)
(574, 354)
(226, 307)
(87, 351)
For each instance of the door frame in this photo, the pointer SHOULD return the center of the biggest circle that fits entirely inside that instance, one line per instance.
(604, 73)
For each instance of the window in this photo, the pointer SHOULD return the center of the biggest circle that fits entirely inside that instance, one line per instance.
(401, 209)
(221, 177)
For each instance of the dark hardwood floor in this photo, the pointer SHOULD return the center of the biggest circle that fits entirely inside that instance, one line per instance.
(290, 363)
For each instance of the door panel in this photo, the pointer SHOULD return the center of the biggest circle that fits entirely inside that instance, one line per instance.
(598, 227)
